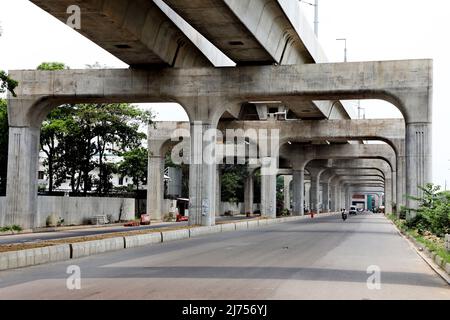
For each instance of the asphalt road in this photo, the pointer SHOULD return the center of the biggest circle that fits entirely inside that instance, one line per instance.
(320, 258)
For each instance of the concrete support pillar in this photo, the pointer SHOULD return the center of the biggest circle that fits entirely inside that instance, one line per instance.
(202, 175)
(388, 195)
(315, 192)
(248, 194)
(418, 160)
(326, 197)
(287, 192)
(218, 191)
(393, 188)
(401, 182)
(22, 186)
(347, 197)
(298, 205)
(308, 195)
(155, 191)
(335, 198)
(269, 187)
(342, 196)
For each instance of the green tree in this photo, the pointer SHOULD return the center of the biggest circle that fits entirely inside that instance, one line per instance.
(52, 131)
(3, 145)
(232, 181)
(135, 165)
(6, 83)
(433, 212)
(52, 66)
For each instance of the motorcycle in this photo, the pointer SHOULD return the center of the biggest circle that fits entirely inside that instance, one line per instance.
(344, 215)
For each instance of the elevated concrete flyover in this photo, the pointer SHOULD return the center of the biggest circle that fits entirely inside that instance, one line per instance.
(248, 31)
(305, 157)
(391, 131)
(135, 31)
(206, 94)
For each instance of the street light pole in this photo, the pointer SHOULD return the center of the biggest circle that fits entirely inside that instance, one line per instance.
(316, 18)
(316, 15)
(345, 47)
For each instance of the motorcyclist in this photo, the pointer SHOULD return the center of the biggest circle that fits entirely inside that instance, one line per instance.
(344, 214)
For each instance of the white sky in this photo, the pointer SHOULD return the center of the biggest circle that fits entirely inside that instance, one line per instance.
(375, 30)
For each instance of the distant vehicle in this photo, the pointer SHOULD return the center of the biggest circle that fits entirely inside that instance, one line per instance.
(353, 210)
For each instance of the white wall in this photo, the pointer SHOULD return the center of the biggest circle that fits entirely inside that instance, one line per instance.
(235, 208)
(77, 211)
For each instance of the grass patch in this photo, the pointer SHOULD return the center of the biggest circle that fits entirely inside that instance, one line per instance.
(432, 242)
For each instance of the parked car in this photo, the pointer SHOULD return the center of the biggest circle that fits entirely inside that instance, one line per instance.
(353, 210)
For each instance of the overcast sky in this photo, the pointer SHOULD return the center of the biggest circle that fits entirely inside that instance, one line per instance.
(375, 29)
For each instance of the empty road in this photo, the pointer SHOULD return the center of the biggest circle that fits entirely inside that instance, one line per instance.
(320, 258)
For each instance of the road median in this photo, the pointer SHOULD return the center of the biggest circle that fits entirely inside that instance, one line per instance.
(74, 248)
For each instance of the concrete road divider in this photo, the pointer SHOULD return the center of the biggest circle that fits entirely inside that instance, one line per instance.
(201, 231)
(252, 224)
(32, 257)
(88, 248)
(142, 240)
(241, 225)
(262, 222)
(228, 227)
(175, 235)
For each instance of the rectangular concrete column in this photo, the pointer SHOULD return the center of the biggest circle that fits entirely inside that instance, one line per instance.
(248, 194)
(155, 191)
(326, 197)
(388, 195)
(418, 160)
(269, 187)
(315, 193)
(335, 198)
(287, 192)
(22, 183)
(218, 191)
(401, 182)
(393, 188)
(308, 195)
(202, 175)
(347, 197)
(298, 186)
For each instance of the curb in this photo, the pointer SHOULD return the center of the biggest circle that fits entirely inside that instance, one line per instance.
(38, 256)
(431, 258)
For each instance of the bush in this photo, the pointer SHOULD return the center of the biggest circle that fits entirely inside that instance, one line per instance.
(13, 228)
(433, 214)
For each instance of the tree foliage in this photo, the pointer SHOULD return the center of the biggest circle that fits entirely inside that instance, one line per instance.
(433, 213)
(6, 83)
(84, 137)
(232, 182)
(78, 139)
(135, 165)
